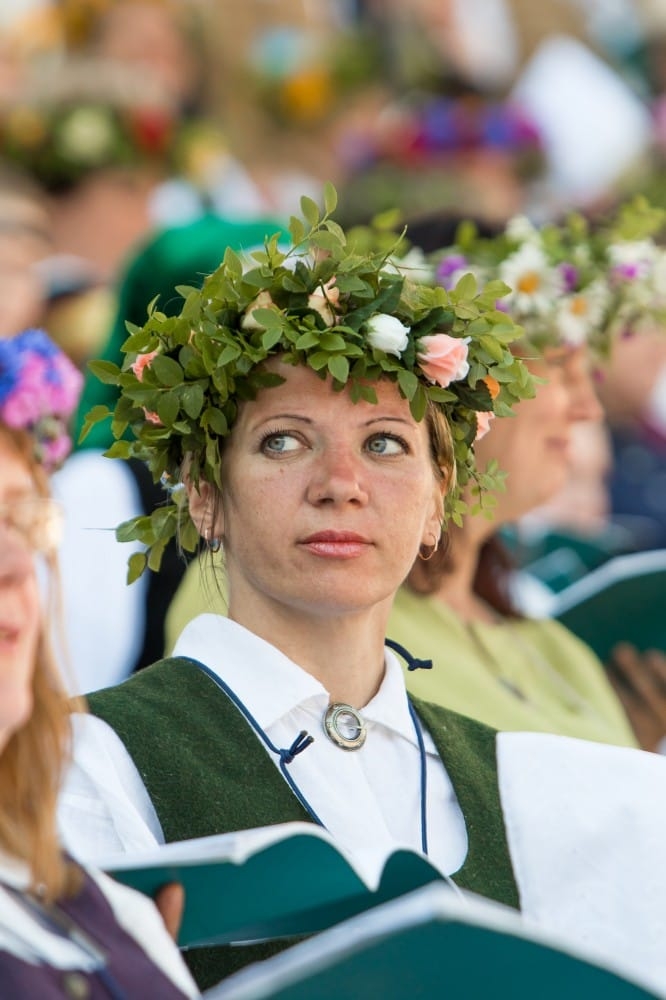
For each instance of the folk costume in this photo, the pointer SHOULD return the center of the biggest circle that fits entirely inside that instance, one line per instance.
(530, 820)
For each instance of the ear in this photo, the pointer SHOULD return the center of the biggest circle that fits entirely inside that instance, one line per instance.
(432, 526)
(205, 509)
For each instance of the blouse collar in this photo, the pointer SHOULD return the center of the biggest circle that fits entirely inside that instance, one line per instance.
(271, 685)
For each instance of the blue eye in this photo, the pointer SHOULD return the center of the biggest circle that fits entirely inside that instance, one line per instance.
(278, 444)
(387, 444)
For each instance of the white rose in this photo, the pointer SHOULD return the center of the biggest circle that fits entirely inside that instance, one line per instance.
(262, 301)
(387, 333)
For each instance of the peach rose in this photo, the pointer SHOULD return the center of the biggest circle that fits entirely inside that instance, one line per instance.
(483, 418)
(443, 359)
(323, 299)
(152, 417)
(262, 301)
(142, 362)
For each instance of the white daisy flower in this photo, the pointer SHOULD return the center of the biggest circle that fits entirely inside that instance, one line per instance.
(534, 283)
(579, 314)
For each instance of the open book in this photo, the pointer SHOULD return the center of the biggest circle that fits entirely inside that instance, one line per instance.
(274, 881)
(622, 601)
(434, 943)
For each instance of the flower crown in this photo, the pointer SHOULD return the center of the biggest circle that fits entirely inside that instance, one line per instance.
(348, 315)
(39, 391)
(570, 283)
(60, 141)
(412, 132)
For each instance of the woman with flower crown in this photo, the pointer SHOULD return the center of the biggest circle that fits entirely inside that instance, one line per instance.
(491, 662)
(63, 928)
(297, 413)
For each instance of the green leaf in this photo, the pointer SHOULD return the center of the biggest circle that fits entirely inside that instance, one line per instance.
(192, 400)
(332, 342)
(338, 366)
(467, 286)
(189, 537)
(307, 340)
(408, 382)
(229, 353)
(167, 371)
(105, 371)
(168, 406)
(330, 198)
(215, 420)
(155, 555)
(318, 360)
(327, 241)
(419, 403)
(119, 449)
(136, 564)
(296, 229)
(92, 417)
(270, 338)
(310, 210)
(268, 317)
(494, 349)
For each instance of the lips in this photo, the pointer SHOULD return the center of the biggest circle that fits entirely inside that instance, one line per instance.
(336, 544)
(8, 633)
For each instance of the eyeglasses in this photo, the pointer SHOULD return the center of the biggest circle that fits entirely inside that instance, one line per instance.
(36, 521)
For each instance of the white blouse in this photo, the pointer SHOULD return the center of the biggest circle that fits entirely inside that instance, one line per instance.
(369, 799)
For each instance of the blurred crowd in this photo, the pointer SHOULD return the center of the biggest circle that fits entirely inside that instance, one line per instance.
(139, 138)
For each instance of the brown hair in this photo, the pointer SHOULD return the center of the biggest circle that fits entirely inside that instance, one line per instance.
(31, 764)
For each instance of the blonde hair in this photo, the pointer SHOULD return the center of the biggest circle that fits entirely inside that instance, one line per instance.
(32, 762)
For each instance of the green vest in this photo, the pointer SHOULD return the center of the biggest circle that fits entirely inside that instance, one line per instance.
(207, 772)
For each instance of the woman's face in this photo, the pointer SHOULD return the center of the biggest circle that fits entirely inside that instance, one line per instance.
(534, 447)
(325, 501)
(20, 607)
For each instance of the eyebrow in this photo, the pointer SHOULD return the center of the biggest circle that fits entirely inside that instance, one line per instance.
(308, 420)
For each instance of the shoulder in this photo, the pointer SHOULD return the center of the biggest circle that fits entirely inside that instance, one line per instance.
(455, 729)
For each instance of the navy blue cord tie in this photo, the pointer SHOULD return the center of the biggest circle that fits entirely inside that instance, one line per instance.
(302, 742)
(412, 662)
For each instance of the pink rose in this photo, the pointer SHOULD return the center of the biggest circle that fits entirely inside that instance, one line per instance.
(142, 361)
(152, 417)
(483, 418)
(443, 359)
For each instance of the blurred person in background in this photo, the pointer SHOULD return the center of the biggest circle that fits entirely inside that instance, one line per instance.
(64, 929)
(511, 671)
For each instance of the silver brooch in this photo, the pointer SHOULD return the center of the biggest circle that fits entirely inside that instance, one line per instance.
(344, 726)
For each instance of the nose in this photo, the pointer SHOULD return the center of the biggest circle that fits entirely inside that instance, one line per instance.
(337, 478)
(583, 400)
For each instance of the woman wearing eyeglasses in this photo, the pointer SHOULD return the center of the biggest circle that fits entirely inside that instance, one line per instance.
(64, 930)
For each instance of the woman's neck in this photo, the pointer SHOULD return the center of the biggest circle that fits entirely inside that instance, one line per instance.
(344, 653)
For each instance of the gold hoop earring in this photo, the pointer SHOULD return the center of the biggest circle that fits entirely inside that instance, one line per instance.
(429, 549)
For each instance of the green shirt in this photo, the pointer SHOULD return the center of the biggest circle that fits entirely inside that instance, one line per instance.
(519, 674)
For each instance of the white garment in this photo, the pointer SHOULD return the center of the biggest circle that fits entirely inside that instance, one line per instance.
(22, 935)
(104, 618)
(585, 823)
(369, 799)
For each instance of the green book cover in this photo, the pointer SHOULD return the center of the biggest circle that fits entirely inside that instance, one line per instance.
(434, 943)
(276, 881)
(622, 601)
